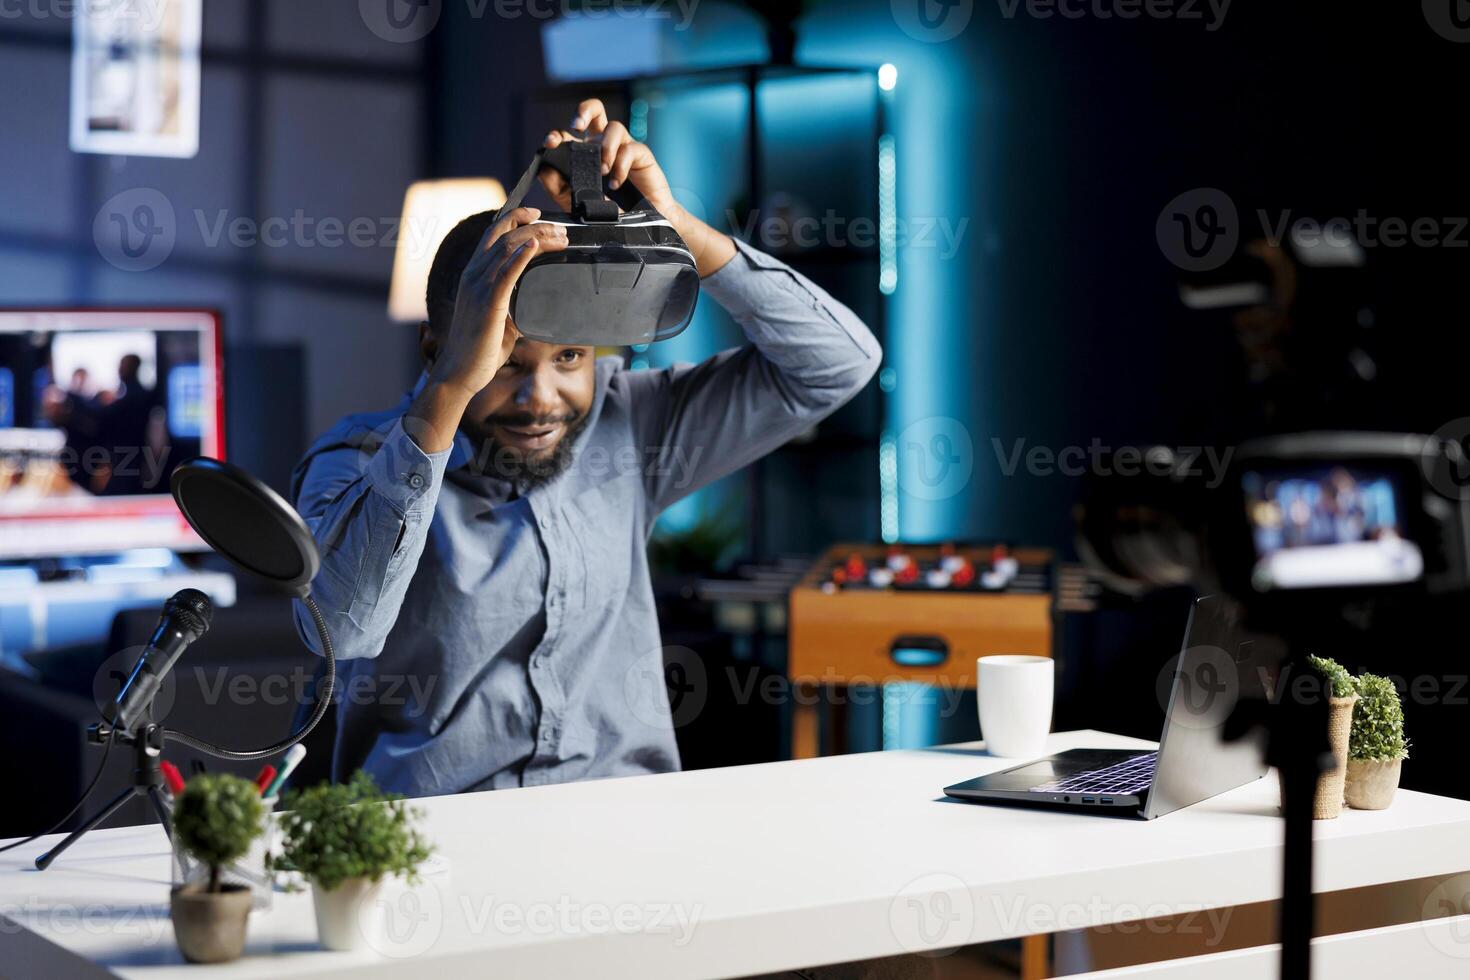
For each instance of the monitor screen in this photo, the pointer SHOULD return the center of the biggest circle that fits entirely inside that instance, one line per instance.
(96, 409)
(1329, 527)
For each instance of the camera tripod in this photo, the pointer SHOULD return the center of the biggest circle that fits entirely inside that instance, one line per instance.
(1297, 745)
(147, 743)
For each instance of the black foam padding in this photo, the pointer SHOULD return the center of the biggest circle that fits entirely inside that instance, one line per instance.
(192, 610)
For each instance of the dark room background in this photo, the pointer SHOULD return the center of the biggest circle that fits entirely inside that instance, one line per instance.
(1054, 142)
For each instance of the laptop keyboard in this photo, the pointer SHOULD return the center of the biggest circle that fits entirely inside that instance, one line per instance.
(1120, 779)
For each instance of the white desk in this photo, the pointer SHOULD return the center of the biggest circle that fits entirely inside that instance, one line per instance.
(731, 872)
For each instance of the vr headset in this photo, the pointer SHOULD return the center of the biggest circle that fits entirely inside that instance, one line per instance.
(623, 279)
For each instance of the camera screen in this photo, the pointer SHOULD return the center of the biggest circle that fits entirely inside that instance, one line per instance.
(1332, 527)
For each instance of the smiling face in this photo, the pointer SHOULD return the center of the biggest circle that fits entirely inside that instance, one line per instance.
(524, 421)
(537, 398)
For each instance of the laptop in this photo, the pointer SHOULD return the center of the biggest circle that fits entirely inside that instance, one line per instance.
(1216, 669)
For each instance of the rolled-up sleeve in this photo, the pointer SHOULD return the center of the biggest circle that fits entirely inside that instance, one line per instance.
(808, 354)
(368, 503)
(820, 346)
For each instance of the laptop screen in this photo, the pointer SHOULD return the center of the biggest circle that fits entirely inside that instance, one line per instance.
(1217, 667)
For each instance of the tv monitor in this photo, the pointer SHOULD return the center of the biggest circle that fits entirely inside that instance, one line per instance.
(97, 407)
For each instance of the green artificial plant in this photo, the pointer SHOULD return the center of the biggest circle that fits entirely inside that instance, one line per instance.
(697, 549)
(333, 832)
(1334, 674)
(1378, 721)
(216, 818)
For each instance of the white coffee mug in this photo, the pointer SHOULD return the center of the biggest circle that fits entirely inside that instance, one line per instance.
(1014, 695)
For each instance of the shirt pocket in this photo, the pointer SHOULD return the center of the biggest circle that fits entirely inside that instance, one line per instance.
(603, 542)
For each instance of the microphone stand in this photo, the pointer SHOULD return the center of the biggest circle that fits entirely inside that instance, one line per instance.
(291, 566)
(146, 738)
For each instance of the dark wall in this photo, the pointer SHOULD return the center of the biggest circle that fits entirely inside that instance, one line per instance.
(1308, 108)
(486, 69)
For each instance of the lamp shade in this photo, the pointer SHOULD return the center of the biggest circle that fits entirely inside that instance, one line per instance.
(431, 209)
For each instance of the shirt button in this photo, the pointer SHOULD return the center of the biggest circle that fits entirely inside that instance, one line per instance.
(546, 520)
(415, 480)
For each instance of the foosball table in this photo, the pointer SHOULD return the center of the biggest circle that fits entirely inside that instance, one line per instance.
(876, 614)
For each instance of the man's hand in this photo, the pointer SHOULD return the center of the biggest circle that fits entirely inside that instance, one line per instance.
(625, 160)
(480, 337)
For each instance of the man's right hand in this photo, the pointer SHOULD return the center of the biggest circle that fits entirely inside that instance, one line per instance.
(480, 337)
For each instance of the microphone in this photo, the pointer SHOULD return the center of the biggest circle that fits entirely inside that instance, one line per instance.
(185, 619)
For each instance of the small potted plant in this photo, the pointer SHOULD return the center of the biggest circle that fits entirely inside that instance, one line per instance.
(345, 839)
(1377, 747)
(215, 819)
(1337, 687)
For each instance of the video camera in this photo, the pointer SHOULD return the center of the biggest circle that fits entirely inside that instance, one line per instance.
(1309, 520)
(1313, 521)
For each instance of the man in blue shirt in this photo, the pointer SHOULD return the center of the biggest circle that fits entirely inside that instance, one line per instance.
(484, 569)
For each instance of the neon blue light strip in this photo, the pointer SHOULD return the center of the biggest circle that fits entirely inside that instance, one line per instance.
(910, 720)
(887, 215)
(638, 120)
(888, 488)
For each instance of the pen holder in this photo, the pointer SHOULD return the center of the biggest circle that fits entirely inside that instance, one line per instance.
(250, 870)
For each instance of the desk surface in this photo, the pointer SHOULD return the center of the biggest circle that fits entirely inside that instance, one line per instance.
(730, 872)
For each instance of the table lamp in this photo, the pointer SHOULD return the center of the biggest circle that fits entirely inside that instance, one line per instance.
(431, 208)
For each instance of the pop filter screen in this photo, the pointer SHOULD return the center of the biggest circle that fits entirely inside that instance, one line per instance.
(246, 521)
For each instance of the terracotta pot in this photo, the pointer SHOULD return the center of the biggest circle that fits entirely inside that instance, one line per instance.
(210, 926)
(1371, 783)
(348, 917)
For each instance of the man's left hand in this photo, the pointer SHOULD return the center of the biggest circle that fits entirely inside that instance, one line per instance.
(625, 160)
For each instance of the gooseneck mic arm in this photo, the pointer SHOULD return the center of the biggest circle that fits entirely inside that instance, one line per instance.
(324, 700)
(175, 632)
(185, 619)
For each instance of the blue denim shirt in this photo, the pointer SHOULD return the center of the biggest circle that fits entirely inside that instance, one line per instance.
(488, 642)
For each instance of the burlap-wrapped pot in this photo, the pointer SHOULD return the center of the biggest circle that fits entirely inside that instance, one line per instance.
(1327, 801)
(1327, 804)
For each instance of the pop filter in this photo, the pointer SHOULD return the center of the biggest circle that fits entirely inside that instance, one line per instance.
(247, 522)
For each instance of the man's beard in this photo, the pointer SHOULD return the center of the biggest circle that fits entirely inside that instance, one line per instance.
(524, 472)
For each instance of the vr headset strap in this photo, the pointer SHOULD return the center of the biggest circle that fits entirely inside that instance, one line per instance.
(522, 187)
(585, 163)
(581, 165)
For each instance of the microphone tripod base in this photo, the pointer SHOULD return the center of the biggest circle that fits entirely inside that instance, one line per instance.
(147, 745)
